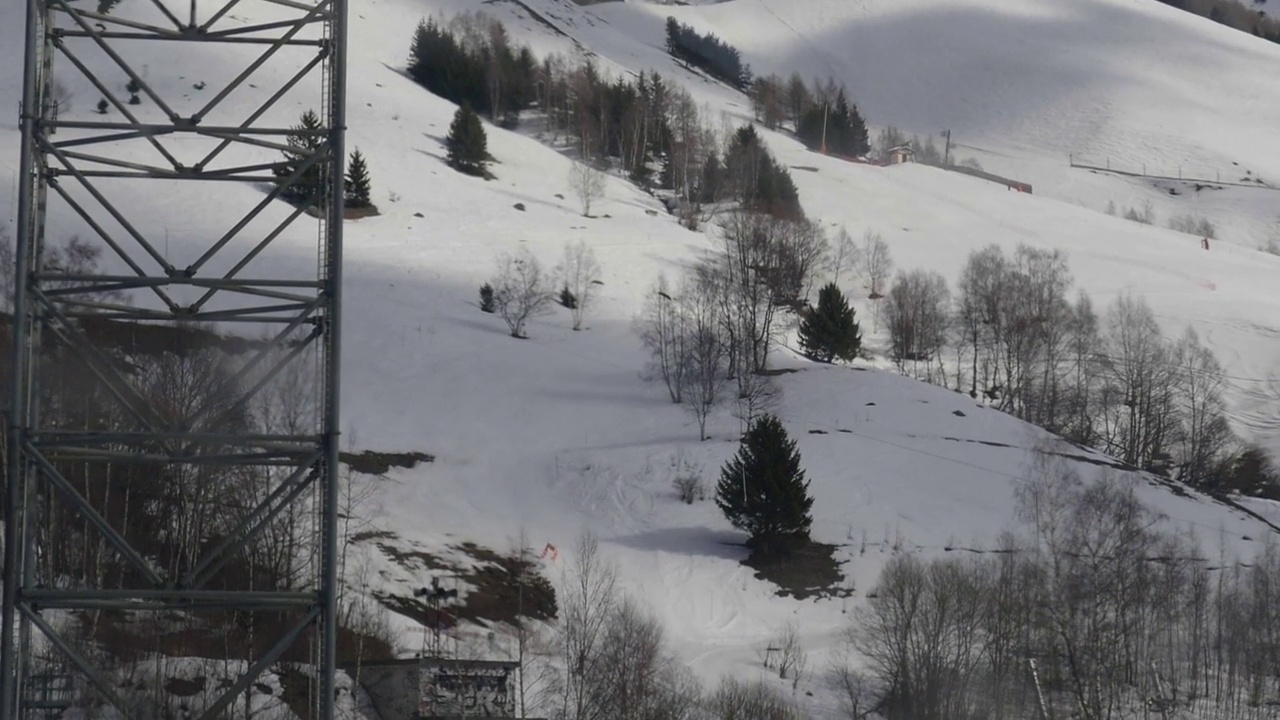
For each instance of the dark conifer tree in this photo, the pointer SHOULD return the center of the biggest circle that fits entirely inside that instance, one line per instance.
(838, 124)
(358, 185)
(763, 490)
(707, 52)
(673, 36)
(758, 182)
(830, 331)
(307, 189)
(466, 143)
(712, 179)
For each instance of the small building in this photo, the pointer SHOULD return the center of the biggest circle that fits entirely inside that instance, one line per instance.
(450, 688)
(901, 154)
(434, 688)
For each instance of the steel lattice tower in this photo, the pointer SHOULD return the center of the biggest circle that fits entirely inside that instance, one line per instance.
(264, 277)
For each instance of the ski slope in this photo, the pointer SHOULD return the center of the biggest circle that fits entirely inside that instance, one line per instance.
(556, 435)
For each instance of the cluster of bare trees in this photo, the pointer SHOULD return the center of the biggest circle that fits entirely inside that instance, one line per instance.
(1011, 334)
(1089, 611)
(714, 332)
(613, 663)
(521, 290)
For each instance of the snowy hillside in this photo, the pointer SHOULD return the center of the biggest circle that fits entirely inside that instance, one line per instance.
(1025, 86)
(558, 434)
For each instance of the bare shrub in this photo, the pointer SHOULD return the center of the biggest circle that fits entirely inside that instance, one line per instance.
(738, 700)
(520, 290)
(687, 478)
(1146, 216)
(1193, 225)
(690, 488)
(792, 658)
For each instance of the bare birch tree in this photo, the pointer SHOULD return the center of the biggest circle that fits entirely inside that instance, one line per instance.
(661, 329)
(588, 601)
(580, 273)
(587, 182)
(706, 357)
(877, 265)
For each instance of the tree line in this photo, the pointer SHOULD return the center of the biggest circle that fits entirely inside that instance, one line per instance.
(1011, 334)
(1089, 609)
(1234, 14)
(474, 62)
(707, 52)
(648, 128)
(709, 336)
(822, 115)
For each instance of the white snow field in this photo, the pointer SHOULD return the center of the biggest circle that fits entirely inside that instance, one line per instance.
(558, 434)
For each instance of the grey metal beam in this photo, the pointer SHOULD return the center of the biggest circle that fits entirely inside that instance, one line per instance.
(329, 580)
(69, 493)
(15, 472)
(223, 39)
(302, 468)
(168, 598)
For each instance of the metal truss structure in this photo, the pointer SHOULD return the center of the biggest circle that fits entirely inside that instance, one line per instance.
(170, 145)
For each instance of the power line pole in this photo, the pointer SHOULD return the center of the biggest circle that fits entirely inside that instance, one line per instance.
(946, 152)
(826, 110)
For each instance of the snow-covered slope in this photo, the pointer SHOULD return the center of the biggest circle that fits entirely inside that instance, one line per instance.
(558, 434)
(1025, 86)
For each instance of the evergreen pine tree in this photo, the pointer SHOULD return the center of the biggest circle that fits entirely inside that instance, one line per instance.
(308, 187)
(568, 299)
(466, 143)
(358, 184)
(830, 331)
(712, 179)
(852, 133)
(763, 490)
(673, 37)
